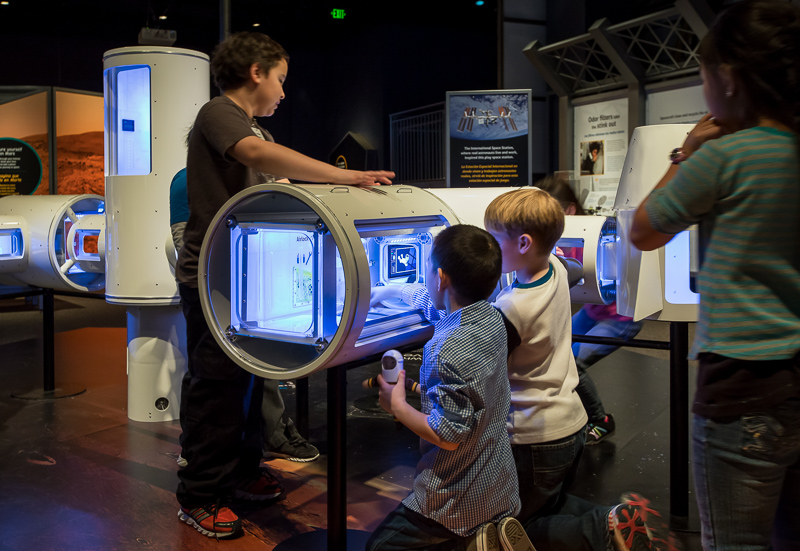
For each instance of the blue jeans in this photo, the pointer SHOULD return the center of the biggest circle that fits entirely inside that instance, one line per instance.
(747, 480)
(406, 529)
(553, 519)
(587, 355)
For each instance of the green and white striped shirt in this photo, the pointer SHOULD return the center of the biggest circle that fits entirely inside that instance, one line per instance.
(744, 191)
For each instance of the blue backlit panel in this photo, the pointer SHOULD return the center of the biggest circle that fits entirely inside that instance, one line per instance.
(11, 244)
(129, 125)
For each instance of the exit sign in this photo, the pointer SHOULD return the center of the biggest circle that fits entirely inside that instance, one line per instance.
(337, 14)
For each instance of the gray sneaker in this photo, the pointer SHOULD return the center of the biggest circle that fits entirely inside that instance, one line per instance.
(298, 450)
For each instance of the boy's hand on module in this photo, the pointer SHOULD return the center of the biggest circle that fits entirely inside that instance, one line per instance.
(368, 178)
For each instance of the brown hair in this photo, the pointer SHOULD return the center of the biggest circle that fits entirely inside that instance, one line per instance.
(233, 57)
(560, 189)
(527, 210)
(760, 41)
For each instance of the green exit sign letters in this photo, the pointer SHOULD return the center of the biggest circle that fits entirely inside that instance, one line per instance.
(337, 14)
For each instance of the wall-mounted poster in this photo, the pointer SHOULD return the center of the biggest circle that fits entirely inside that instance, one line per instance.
(601, 136)
(20, 167)
(488, 143)
(25, 119)
(677, 106)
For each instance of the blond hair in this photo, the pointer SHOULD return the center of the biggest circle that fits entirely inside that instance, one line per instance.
(527, 210)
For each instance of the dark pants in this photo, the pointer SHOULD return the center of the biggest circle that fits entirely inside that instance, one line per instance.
(553, 519)
(405, 529)
(221, 441)
(586, 355)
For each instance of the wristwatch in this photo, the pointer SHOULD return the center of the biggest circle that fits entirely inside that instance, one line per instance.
(678, 155)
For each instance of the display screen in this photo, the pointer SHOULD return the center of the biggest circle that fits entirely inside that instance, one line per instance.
(402, 261)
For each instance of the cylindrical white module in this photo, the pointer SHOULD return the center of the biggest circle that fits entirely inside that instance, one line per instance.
(51, 259)
(469, 204)
(156, 362)
(286, 273)
(595, 238)
(152, 96)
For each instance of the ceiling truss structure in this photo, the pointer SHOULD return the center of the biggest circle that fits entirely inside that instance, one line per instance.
(625, 57)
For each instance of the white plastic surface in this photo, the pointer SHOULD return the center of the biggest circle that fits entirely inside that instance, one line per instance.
(137, 206)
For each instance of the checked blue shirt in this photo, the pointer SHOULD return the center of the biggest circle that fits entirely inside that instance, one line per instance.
(465, 392)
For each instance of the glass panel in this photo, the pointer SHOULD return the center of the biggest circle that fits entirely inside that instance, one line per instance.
(11, 244)
(128, 120)
(275, 284)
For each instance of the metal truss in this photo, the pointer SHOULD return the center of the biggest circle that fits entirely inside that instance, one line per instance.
(656, 47)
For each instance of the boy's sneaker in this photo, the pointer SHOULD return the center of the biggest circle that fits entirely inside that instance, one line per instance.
(212, 520)
(597, 431)
(635, 526)
(264, 487)
(512, 536)
(485, 539)
(299, 450)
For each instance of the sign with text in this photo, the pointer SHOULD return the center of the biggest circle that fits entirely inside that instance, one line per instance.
(601, 142)
(678, 106)
(488, 142)
(20, 168)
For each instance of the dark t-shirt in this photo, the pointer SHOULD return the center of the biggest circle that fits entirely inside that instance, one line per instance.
(212, 177)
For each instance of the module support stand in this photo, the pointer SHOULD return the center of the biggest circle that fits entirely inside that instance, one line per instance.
(49, 390)
(337, 444)
(679, 424)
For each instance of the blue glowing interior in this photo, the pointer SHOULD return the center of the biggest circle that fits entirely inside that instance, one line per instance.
(129, 125)
(278, 279)
(11, 244)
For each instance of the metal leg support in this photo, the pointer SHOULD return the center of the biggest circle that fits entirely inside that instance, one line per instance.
(679, 424)
(301, 406)
(337, 496)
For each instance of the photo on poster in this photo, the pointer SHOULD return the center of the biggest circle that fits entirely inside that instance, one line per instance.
(488, 139)
(592, 157)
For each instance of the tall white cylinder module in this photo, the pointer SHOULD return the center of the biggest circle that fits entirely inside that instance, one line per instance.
(152, 96)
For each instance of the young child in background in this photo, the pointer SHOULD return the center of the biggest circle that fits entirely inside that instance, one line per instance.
(465, 481)
(596, 320)
(547, 420)
(738, 177)
(228, 151)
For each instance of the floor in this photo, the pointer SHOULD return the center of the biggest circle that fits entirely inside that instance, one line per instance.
(77, 474)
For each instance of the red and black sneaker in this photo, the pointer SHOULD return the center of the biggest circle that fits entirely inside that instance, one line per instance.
(212, 520)
(635, 526)
(261, 488)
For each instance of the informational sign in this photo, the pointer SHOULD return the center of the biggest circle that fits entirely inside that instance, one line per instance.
(20, 168)
(601, 142)
(488, 142)
(678, 106)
